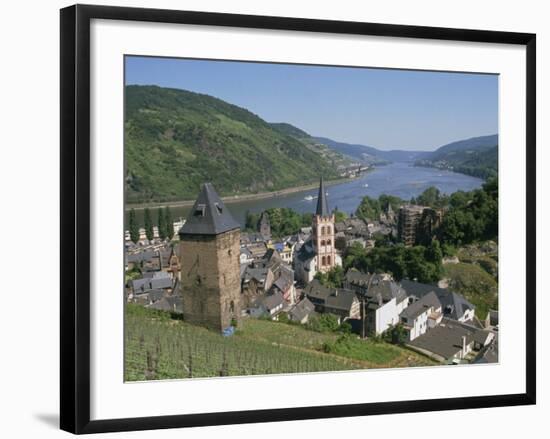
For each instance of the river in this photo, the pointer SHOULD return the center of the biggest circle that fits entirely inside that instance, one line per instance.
(400, 179)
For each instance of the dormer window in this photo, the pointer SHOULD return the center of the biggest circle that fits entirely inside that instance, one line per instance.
(218, 208)
(200, 210)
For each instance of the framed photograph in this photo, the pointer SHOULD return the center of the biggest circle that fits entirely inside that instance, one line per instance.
(304, 218)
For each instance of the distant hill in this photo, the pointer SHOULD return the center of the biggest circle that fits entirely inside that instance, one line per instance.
(176, 139)
(337, 159)
(474, 143)
(290, 130)
(370, 154)
(477, 156)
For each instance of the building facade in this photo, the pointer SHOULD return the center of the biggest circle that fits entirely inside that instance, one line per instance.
(408, 222)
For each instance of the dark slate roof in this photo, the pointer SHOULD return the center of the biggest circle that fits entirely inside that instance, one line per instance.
(259, 274)
(283, 283)
(271, 258)
(140, 284)
(341, 299)
(316, 290)
(454, 305)
(488, 354)
(155, 295)
(251, 237)
(337, 298)
(162, 282)
(169, 303)
(421, 305)
(322, 205)
(145, 255)
(269, 301)
(358, 278)
(274, 300)
(302, 309)
(444, 340)
(306, 252)
(150, 283)
(387, 290)
(209, 216)
(379, 287)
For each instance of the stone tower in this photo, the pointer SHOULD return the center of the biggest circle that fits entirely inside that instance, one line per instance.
(209, 259)
(323, 232)
(264, 227)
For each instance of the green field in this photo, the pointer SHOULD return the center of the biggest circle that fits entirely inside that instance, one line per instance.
(160, 347)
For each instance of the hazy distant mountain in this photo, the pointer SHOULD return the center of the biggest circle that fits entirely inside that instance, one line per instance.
(370, 153)
(474, 143)
(477, 156)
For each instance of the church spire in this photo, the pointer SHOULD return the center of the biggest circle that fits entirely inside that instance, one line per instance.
(322, 205)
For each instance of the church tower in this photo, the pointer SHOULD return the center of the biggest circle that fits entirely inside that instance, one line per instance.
(209, 259)
(264, 227)
(323, 232)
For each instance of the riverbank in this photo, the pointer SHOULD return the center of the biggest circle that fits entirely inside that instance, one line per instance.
(399, 179)
(246, 197)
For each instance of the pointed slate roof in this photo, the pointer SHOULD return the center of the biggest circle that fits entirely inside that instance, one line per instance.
(322, 205)
(209, 216)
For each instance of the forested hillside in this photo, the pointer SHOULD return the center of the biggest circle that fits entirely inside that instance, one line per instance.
(477, 156)
(175, 140)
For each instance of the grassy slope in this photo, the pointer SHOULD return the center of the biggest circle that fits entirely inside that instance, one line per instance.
(176, 140)
(259, 347)
(474, 283)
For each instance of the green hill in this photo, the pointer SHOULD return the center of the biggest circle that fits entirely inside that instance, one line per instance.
(477, 156)
(176, 139)
(290, 130)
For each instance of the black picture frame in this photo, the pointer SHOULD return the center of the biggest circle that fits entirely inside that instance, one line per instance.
(75, 217)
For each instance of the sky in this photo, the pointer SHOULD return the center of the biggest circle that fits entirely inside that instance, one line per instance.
(387, 109)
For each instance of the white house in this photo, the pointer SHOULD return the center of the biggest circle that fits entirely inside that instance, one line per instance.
(382, 298)
(421, 315)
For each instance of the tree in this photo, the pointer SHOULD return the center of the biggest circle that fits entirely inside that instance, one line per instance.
(161, 224)
(251, 221)
(133, 227)
(148, 224)
(433, 252)
(339, 216)
(369, 209)
(325, 322)
(395, 202)
(333, 278)
(355, 257)
(397, 334)
(169, 223)
(400, 261)
(430, 197)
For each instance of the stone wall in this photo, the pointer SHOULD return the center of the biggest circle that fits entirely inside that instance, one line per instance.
(210, 278)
